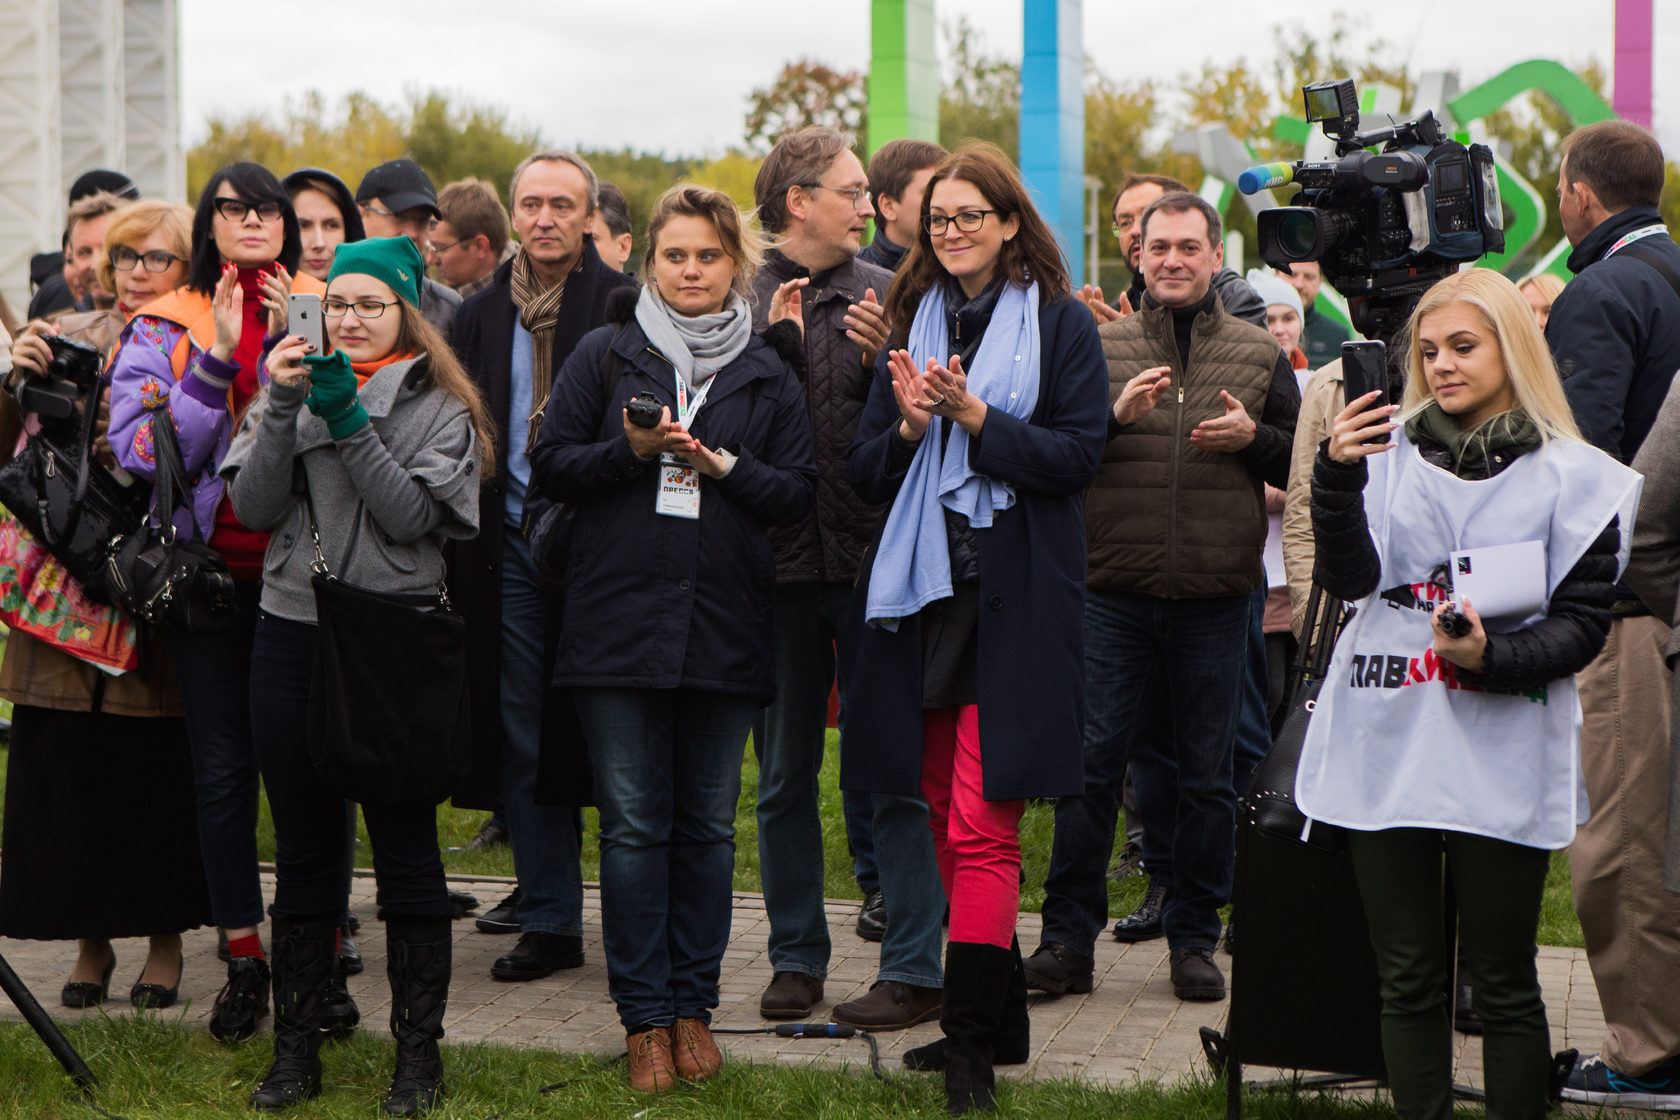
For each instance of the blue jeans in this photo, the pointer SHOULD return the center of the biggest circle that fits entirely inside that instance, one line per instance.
(667, 776)
(1254, 727)
(214, 672)
(910, 887)
(1181, 769)
(544, 838)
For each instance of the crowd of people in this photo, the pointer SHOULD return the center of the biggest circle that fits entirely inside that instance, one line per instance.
(1043, 546)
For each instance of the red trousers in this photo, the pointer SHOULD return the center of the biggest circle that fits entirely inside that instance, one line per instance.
(977, 842)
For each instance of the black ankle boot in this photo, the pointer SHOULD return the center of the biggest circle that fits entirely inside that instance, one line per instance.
(1011, 1046)
(418, 966)
(302, 961)
(977, 981)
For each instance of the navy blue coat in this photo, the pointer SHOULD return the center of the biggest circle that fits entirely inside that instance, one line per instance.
(653, 601)
(1031, 647)
(1615, 331)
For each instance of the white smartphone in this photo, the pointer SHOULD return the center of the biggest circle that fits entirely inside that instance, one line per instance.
(303, 317)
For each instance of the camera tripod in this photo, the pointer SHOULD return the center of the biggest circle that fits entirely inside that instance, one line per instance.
(36, 1016)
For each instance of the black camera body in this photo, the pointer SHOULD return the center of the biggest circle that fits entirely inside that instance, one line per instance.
(72, 375)
(644, 410)
(1384, 226)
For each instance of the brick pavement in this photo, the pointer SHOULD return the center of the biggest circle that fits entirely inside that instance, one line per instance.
(1131, 1027)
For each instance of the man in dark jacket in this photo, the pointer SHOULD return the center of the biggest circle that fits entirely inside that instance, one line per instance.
(898, 177)
(397, 199)
(513, 337)
(1321, 336)
(1204, 414)
(813, 196)
(1615, 331)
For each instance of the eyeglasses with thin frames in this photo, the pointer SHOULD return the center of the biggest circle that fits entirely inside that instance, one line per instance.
(364, 308)
(236, 209)
(855, 195)
(123, 259)
(968, 221)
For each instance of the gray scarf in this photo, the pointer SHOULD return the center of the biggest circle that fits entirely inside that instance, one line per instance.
(697, 346)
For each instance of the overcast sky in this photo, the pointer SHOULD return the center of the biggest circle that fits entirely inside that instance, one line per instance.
(673, 76)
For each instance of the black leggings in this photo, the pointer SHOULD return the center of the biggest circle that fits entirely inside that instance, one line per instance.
(309, 817)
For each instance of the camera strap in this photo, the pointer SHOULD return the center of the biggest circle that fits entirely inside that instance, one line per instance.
(1648, 253)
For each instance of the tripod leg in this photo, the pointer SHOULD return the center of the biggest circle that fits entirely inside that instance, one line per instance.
(36, 1016)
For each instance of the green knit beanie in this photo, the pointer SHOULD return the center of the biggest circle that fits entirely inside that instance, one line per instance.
(394, 260)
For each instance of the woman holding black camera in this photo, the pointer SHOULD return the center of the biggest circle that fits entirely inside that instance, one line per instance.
(83, 740)
(667, 647)
(1471, 749)
(984, 426)
(365, 461)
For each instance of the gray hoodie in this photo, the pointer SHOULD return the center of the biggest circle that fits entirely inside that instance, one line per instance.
(386, 497)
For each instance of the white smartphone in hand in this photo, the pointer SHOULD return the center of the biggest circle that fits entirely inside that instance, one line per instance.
(303, 317)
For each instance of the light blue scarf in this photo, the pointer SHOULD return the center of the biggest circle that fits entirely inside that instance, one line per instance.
(913, 564)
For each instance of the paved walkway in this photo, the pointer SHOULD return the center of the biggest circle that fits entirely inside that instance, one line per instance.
(1131, 1027)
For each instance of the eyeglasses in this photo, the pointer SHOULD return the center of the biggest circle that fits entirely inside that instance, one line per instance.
(379, 210)
(968, 221)
(123, 259)
(364, 308)
(442, 247)
(236, 209)
(855, 194)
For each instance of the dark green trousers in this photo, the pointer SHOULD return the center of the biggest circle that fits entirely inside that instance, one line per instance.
(1498, 886)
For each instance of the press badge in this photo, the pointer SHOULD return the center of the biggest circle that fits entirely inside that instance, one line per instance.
(679, 488)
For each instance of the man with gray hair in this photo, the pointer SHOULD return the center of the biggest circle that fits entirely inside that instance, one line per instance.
(513, 338)
(813, 197)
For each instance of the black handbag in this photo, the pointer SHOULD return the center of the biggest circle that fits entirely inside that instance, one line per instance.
(389, 719)
(174, 584)
(72, 503)
(1271, 793)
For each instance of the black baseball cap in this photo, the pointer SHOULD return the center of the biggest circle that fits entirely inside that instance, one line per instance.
(400, 185)
(113, 182)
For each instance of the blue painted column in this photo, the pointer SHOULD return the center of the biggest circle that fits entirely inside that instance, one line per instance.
(1053, 119)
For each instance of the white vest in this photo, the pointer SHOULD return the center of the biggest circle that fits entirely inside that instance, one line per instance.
(1401, 739)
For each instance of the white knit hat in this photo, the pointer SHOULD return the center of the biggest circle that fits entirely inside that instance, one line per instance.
(1273, 288)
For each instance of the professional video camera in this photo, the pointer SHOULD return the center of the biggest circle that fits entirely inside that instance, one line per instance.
(1385, 226)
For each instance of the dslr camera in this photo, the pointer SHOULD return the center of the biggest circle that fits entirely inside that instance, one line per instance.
(644, 410)
(72, 375)
(1383, 225)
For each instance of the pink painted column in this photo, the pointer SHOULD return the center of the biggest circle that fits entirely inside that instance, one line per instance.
(1632, 95)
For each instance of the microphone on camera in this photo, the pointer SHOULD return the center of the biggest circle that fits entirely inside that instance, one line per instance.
(1265, 177)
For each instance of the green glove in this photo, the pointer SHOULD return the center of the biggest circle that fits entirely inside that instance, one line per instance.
(332, 394)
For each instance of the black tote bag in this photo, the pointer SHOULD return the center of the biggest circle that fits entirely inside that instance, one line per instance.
(388, 714)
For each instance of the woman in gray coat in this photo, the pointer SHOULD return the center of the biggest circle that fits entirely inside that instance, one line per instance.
(380, 445)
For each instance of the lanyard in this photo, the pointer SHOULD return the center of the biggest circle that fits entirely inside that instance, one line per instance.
(1632, 236)
(686, 409)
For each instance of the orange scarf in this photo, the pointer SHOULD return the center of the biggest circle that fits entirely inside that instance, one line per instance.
(365, 370)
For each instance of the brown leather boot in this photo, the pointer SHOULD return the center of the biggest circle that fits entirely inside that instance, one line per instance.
(696, 1052)
(651, 1070)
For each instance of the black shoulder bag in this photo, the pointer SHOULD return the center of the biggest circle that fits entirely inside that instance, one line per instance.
(70, 502)
(1271, 793)
(388, 714)
(175, 584)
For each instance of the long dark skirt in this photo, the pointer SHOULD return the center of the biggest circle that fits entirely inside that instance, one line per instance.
(101, 828)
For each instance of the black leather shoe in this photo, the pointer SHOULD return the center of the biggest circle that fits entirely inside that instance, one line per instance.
(339, 1013)
(872, 918)
(791, 995)
(242, 1002)
(889, 1006)
(85, 993)
(156, 996)
(1056, 969)
(349, 957)
(489, 835)
(461, 904)
(537, 955)
(1144, 923)
(1195, 976)
(503, 917)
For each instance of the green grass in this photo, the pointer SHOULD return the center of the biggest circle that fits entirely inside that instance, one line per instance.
(1558, 925)
(151, 1067)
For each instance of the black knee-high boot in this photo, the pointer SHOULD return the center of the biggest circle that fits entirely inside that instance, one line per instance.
(1011, 1046)
(418, 967)
(302, 961)
(977, 980)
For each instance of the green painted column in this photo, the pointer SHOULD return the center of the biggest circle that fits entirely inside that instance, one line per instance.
(903, 72)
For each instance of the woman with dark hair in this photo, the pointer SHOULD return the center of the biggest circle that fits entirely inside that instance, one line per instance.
(985, 423)
(192, 359)
(375, 452)
(327, 217)
(667, 650)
